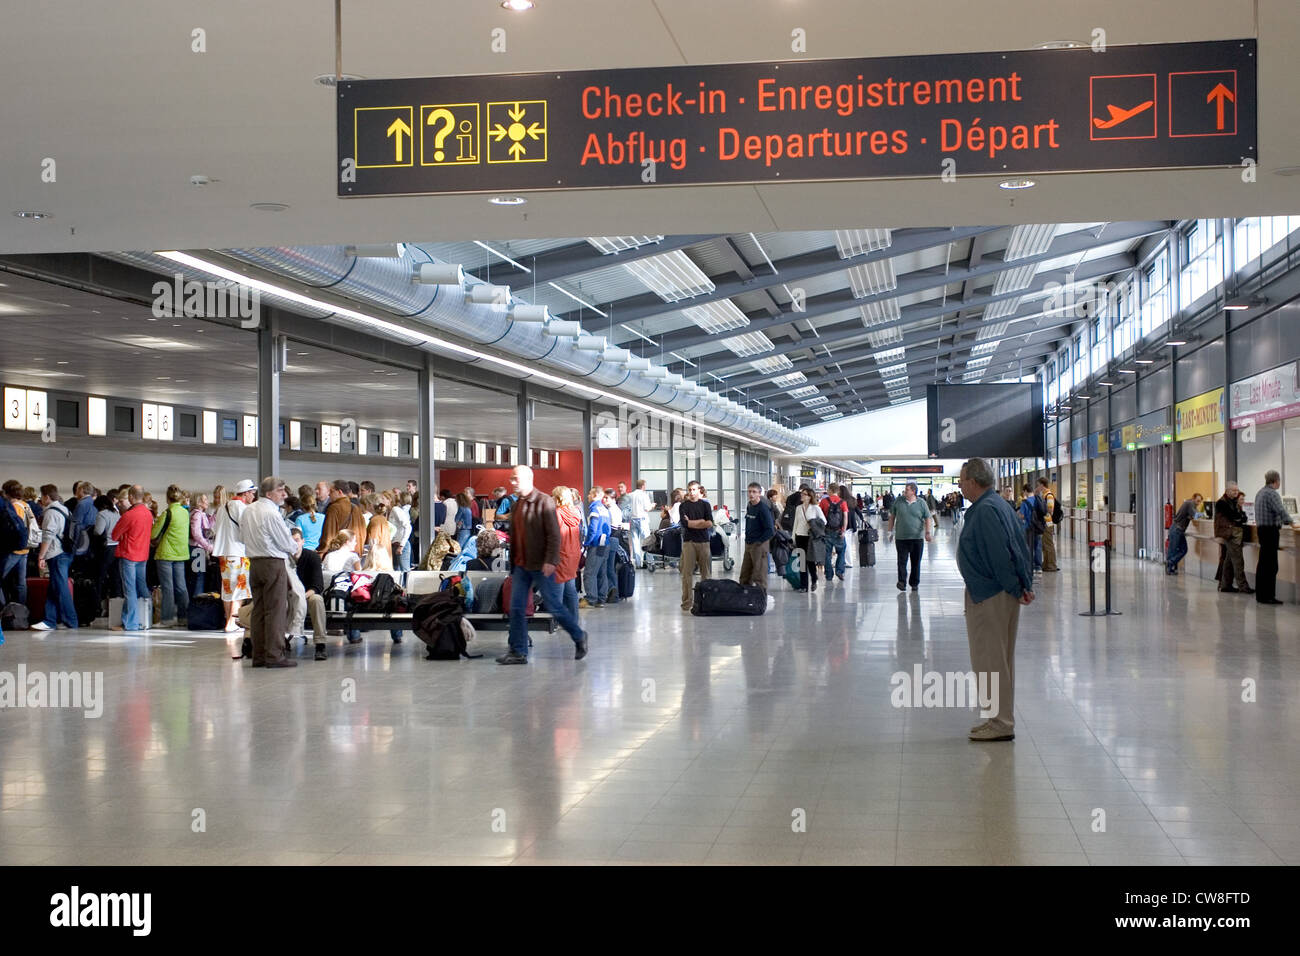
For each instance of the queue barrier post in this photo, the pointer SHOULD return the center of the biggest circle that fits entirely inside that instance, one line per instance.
(1102, 548)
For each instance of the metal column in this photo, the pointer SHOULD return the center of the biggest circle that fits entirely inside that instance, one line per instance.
(588, 454)
(270, 357)
(425, 420)
(525, 413)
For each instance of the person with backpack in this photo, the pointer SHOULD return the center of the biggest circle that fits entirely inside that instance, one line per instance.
(21, 534)
(59, 536)
(1051, 513)
(1033, 517)
(836, 512)
(597, 544)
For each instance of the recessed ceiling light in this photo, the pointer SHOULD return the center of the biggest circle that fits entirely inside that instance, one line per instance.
(1105, 383)
(507, 200)
(162, 378)
(1176, 342)
(329, 79)
(269, 206)
(1287, 171)
(61, 362)
(519, 6)
(31, 214)
(1145, 361)
(1128, 371)
(1060, 45)
(1017, 184)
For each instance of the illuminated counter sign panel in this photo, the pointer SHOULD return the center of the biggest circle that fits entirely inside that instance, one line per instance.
(1156, 106)
(1204, 414)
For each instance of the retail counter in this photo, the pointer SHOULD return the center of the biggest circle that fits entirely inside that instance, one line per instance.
(1203, 556)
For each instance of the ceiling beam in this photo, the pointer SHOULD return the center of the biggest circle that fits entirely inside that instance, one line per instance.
(922, 281)
(808, 265)
(854, 329)
(580, 257)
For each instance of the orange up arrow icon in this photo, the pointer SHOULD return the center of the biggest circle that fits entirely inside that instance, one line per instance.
(1220, 94)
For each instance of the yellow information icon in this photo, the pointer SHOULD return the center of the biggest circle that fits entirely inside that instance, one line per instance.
(516, 132)
(449, 134)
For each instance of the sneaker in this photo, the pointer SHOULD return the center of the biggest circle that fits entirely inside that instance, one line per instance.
(839, 577)
(512, 658)
(41, 626)
(584, 604)
(320, 652)
(64, 627)
(988, 733)
(978, 727)
(167, 624)
(580, 648)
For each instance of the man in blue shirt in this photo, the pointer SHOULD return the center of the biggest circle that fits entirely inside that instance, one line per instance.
(994, 561)
(760, 525)
(83, 514)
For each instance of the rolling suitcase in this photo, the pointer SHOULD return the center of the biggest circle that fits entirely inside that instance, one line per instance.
(717, 545)
(670, 540)
(866, 548)
(85, 599)
(626, 580)
(722, 597)
(37, 591)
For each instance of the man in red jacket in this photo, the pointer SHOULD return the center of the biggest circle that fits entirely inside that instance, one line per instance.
(132, 533)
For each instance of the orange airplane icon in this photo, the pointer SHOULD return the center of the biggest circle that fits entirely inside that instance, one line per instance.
(1118, 115)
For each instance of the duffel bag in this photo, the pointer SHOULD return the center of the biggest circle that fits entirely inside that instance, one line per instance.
(725, 597)
(206, 613)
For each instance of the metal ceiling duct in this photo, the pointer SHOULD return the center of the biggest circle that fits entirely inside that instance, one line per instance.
(387, 284)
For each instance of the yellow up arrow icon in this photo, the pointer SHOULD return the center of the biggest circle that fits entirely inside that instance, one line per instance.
(399, 127)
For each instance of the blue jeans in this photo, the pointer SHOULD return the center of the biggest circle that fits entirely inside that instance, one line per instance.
(570, 597)
(835, 540)
(175, 596)
(522, 582)
(1177, 548)
(404, 557)
(134, 586)
(1034, 542)
(611, 572)
(597, 574)
(18, 561)
(58, 602)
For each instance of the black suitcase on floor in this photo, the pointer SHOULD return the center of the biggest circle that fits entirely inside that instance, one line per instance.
(866, 548)
(85, 600)
(670, 542)
(717, 545)
(206, 613)
(724, 597)
(626, 580)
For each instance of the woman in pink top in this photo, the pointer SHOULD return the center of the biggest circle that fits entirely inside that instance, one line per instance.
(201, 536)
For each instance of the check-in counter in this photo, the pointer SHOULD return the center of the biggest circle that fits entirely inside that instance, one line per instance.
(1203, 556)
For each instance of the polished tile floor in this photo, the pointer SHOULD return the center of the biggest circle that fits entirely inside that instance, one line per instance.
(685, 740)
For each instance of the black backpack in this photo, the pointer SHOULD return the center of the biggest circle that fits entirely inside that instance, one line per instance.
(449, 645)
(1058, 515)
(71, 532)
(383, 594)
(1038, 515)
(835, 517)
(13, 531)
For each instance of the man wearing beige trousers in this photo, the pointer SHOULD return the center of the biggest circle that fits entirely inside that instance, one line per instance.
(697, 525)
(994, 562)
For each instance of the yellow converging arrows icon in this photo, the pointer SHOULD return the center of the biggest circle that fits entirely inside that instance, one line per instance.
(517, 132)
(398, 127)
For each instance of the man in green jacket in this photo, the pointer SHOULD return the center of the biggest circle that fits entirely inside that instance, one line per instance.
(171, 541)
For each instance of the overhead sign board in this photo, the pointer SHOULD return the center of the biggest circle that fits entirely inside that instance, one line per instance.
(1156, 106)
(1201, 415)
(1267, 397)
(911, 469)
(1148, 431)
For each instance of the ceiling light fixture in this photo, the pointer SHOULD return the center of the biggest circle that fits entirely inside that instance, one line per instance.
(1176, 342)
(269, 206)
(32, 214)
(518, 6)
(580, 301)
(1060, 45)
(332, 80)
(502, 256)
(1017, 184)
(1145, 361)
(270, 288)
(1128, 371)
(1239, 304)
(507, 200)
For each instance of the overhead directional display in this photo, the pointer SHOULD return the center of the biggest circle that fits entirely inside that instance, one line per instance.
(1136, 107)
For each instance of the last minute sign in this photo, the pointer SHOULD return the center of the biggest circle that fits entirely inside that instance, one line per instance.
(1140, 107)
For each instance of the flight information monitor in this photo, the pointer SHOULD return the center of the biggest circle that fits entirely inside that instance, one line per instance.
(985, 421)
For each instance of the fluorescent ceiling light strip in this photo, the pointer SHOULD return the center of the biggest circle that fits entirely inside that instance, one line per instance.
(802, 392)
(764, 254)
(637, 332)
(794, 378)
(684, 359)
(751, 343)
(610, 244)
(526, 371)
(502, 255)
(672, 276)
(557, 288)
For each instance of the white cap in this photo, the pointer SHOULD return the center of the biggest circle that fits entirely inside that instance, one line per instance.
(245, 485)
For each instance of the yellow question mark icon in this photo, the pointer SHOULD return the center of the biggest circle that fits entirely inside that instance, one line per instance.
(446, 122)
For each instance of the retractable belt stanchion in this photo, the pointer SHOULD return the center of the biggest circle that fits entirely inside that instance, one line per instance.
(1099, 550)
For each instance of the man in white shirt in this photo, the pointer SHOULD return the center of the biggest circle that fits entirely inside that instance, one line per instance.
(640, 518)
(269, 547)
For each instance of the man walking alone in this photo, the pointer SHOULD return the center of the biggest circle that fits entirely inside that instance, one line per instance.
(995, 564)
